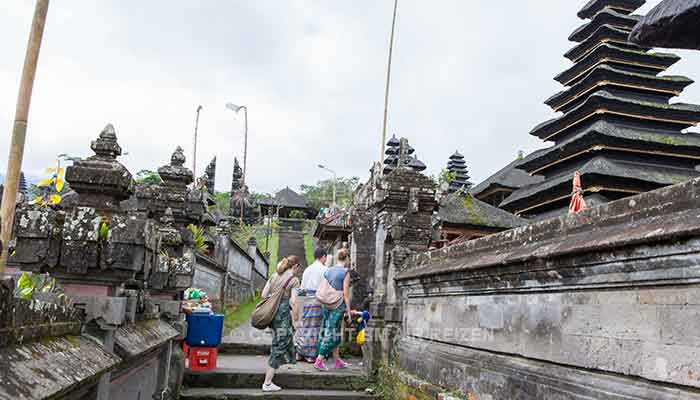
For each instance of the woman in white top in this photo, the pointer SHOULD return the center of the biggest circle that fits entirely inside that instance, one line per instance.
(307, 310)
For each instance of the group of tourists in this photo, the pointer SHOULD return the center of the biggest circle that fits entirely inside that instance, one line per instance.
(307, 323)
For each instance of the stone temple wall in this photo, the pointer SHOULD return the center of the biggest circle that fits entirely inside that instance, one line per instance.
(604, 304)
(242, 271)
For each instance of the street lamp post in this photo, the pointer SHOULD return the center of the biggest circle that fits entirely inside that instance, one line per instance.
(335, 181)
(194, 152)
(236, 109)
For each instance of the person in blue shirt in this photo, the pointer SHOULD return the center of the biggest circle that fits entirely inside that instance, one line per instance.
(338, 277)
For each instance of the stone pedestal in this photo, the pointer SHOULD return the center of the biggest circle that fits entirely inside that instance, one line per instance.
(108, 258)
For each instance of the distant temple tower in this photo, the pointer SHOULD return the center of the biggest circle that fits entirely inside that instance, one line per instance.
(458, 167)
(240, 194)
(210, 176)
(617, 126)
(400, 154)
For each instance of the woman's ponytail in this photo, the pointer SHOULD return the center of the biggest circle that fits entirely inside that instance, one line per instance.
(283, 266)
(287, 263)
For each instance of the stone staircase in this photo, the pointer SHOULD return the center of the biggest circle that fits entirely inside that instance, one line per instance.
(292, 243)
(241, 371)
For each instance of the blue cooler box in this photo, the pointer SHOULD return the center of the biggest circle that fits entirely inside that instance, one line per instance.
(204, 330)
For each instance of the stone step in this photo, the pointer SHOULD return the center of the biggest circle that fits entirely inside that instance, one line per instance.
(248, 372)
(287, 394)
(251, 349)
(242, 379)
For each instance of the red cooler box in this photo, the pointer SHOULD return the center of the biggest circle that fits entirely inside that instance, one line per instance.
(202, 358)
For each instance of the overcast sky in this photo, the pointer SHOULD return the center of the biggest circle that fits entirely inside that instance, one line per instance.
(467, 75)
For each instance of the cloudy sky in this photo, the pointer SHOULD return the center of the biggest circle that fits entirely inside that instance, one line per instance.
(468, 75)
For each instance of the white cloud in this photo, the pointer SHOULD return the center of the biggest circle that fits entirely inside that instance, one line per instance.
(467, 75)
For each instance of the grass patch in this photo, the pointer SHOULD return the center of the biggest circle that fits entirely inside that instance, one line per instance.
(273, 247)
(236, 316)
(309, 249)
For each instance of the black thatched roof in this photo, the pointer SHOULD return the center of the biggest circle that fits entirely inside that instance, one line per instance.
(603, 133)
(456, 209)
(286, 198)
(653, 176)
(593, 7)
(607, 16)
(672, 24)
(612, 77)
(509, 177)
(680, 114)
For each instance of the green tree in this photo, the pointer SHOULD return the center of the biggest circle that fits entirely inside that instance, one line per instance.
(258, 196)
(148, 177)
(321, 193)
(223, 201)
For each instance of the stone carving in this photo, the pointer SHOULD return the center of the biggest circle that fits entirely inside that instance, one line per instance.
(188, 205)
(101, 181)
(209, 178)
(240, 195)
(93, 239)
(111, 254)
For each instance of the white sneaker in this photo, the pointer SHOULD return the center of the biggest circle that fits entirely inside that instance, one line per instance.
(271, 388)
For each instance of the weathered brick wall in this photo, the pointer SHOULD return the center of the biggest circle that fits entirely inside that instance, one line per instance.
(592, 306)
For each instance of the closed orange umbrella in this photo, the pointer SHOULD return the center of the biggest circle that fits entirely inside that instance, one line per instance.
(577, 202)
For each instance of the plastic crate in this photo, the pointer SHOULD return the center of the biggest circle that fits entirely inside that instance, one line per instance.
(204, 330)
(202, 358)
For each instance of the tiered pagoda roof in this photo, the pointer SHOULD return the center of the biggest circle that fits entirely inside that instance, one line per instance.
(394, 157)
(494, 189)
(617, 127)
(458, 167)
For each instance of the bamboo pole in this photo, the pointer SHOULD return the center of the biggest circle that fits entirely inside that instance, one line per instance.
(19, 130)
(386, 91)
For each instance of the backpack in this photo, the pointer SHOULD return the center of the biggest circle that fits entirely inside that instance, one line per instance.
(266, 309)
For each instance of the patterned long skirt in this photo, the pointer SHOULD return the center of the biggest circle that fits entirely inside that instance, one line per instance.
(330, 336)
(282, 349)
(306, 337)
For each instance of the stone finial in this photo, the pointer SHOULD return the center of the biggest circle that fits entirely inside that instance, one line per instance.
(106, 146)
(175, 173)
(404, 155)
(101, 181)
(178, 157)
